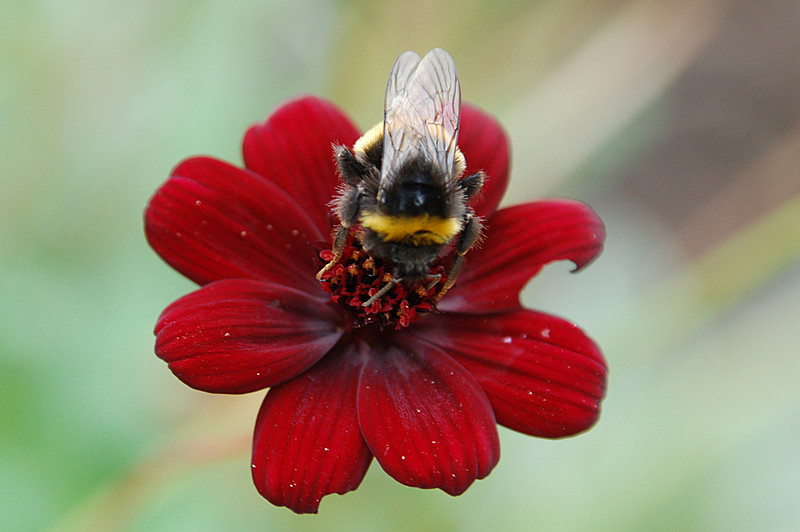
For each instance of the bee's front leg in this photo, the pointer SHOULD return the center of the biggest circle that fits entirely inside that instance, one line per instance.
(347, 207)
(472, 184)
(468, 237)
(339, 241)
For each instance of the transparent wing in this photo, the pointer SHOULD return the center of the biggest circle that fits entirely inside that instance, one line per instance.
(421, 113)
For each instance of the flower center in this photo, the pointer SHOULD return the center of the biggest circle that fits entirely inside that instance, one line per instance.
(365, 287)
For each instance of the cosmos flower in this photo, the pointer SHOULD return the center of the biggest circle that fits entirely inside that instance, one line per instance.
(418, 385)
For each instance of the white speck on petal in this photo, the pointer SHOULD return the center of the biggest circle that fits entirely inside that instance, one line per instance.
(545, 333)
(507, 339)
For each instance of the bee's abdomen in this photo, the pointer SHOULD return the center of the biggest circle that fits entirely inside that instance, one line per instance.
(421, 230)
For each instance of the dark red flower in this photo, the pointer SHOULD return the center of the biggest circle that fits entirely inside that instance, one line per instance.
(419, 388)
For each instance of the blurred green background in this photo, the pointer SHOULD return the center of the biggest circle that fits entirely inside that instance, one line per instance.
(679, 121)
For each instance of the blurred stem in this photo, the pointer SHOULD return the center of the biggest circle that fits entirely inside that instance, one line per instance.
(760, 186)
(748, 259)
(621, 69)
(712, 284)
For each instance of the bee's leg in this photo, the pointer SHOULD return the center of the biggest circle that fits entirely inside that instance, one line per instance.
(469, 235)
(433, 281)
(452, 275)
(339, 241)
(350, 167)
(347, 206)
(385, 288)
(471, 184)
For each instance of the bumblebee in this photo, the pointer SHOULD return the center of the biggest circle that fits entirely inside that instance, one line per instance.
(404, 191)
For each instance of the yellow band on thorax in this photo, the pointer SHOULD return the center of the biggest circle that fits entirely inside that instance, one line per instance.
(417, 230)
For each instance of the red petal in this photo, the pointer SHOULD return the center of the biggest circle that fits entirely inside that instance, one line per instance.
(425, 419)
(519, 241)
(213, 221)
(543, 375)
(307, 442)
(237, 336)
(485, 146)
(293, 148)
